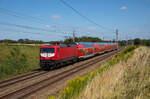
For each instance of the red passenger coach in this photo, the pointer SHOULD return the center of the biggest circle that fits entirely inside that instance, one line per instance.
(81, 50)
(85, 49)
(100, 48)
(55, 55)
(96, 48)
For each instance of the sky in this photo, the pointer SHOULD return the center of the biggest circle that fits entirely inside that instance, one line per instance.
(51, 20)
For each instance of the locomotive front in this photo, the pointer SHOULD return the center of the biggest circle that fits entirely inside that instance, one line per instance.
(47, 55)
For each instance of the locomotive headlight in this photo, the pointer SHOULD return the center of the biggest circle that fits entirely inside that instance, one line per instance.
(44, 54)
(51, 54)
(47, 54)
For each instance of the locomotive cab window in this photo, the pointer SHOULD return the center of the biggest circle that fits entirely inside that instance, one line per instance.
(47, 50)
(43, 50)
(50, 50)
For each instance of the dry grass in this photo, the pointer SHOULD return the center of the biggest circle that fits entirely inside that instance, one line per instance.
(126, 80)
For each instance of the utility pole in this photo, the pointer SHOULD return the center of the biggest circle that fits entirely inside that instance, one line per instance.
(73, 35)
(117, 36)
(126, 40)
(103, 38)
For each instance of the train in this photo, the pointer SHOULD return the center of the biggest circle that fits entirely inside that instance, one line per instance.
(52, 56)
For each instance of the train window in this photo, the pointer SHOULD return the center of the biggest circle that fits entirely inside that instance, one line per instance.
(57, 49)
(43, 50)
(81, 50)
(50, 50)
(47, 50)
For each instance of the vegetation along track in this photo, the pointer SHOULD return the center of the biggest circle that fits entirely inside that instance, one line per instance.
(28, 90)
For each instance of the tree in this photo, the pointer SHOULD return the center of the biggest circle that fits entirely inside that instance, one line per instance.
(137, 41)
(20, 41)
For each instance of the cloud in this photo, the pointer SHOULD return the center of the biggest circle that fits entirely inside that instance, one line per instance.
(55, 16)
(123, 8)
(48, 26)
(92, 28)
(54, 26)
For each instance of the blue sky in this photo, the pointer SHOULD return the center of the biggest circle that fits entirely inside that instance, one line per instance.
(55, 21)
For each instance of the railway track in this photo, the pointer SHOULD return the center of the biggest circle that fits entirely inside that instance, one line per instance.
(20, 78)
(32, 88)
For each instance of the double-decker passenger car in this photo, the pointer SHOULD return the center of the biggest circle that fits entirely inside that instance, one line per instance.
(85, 49)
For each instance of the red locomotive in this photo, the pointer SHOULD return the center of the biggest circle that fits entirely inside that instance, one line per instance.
(57, 55)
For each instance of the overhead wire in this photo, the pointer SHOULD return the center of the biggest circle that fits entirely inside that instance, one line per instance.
(33, 18)
(42, 21)
(28, 27)
(53, 34)
(84, 16)
(24, 16)
(12, 30)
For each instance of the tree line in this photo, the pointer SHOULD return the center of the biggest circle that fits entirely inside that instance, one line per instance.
(22, 41)
(82, 39)
(136, 41)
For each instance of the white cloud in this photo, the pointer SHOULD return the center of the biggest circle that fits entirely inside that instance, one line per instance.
(54, 26)
(55, 16)
(48, 26)
(123, 8)
(92, 28)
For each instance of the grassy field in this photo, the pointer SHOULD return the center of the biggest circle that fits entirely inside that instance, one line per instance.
(15, 60)
(129, 79)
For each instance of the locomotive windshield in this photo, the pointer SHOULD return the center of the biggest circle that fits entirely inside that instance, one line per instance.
(47, 50)
(43, 50)
(50, 50)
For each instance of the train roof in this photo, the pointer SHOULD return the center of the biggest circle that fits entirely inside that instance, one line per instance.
(94, 43)
(60, 45)
(86, 44)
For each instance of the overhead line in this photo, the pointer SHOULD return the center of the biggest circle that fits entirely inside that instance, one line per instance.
(17, 14)
(28, 27)
(23, 16)
(83, 16)
(12, 30)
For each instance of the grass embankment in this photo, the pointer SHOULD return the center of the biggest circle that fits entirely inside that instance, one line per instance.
(129, 79)
(77, 85)
(15, 60)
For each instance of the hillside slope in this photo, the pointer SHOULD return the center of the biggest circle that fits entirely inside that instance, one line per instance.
(126, 80)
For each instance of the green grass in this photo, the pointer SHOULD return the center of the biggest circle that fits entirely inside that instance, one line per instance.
(15, 60)
(77, 85)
